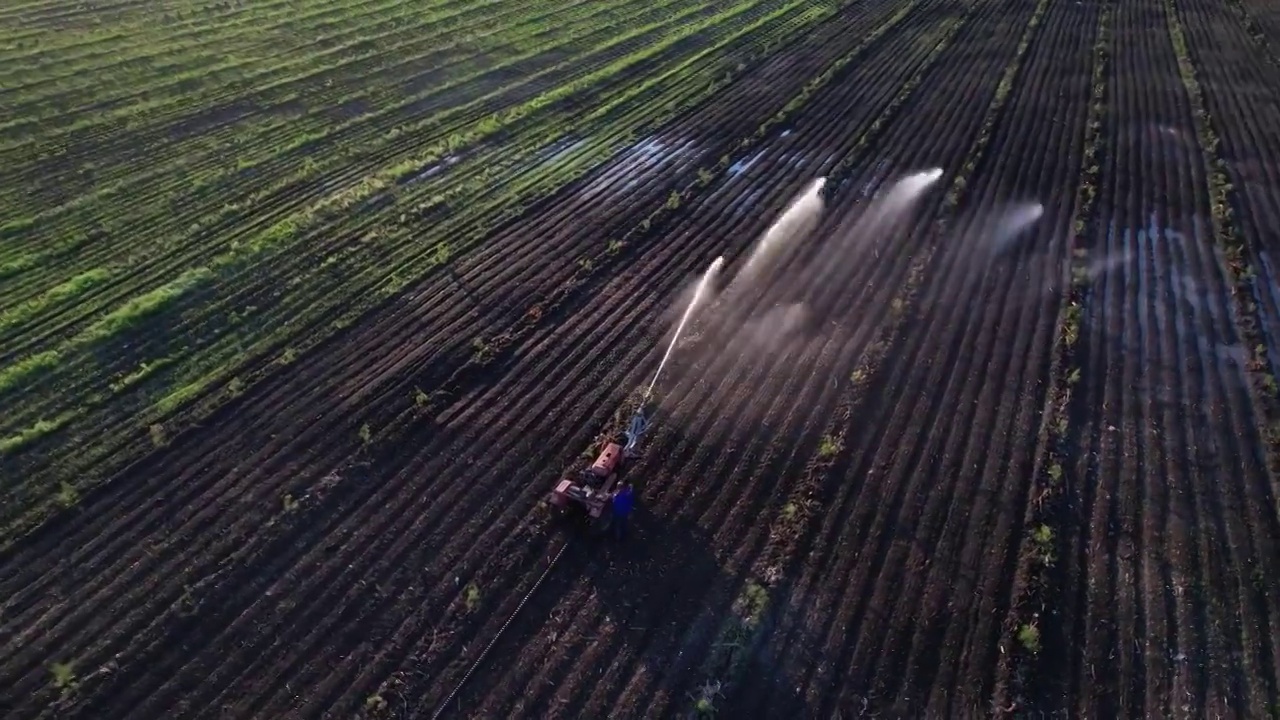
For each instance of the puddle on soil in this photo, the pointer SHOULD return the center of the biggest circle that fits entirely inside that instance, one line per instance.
(436, 168)
(1170, 139)
(877, 178)
(745, 164)
(652, 156)
(748, 202)
(635, 164)
(656, 150)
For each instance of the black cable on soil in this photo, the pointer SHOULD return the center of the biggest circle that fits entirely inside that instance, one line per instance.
(494, 640)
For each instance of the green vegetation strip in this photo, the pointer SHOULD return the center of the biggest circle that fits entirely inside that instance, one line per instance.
(61, 292)
(232, 187)
(286, 234)
(222, 55)
(89, 465)
(1243, 275)
(339, 202)
(121, 318)
(402, 243)
(1033, 595)
(261, 150)
(744, 628)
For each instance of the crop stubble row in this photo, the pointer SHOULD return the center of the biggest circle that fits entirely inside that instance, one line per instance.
(1237, 71)
(1160, 531)
(1264, 20)
(712, 504)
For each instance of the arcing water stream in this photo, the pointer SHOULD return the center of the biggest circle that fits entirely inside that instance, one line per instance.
(698, 296)
(796, 221)
(791, 290)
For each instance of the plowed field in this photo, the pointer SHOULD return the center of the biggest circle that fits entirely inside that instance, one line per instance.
(306, 306)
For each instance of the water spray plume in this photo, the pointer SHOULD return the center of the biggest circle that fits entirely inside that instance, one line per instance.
(890, 206)
(928, 177)
(799, 217)
(912, 186)
(1014, 222)
(698, 296)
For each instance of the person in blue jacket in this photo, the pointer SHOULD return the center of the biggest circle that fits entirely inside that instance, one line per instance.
(624, 502)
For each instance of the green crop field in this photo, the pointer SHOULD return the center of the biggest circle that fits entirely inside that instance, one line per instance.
(197, 192)
(939, 340)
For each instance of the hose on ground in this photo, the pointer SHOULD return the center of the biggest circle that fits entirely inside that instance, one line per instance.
(494, 640)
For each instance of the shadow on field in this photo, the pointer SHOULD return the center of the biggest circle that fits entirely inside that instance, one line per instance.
(655, 585)
(660, 585)
(649, 587)
(658, 561)
(464, 288)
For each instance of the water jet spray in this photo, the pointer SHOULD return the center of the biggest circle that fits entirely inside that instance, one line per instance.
(698, 296)
(797, 220)
(1011, 225)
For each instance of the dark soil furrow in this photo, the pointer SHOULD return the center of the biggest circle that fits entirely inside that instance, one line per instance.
(1162, 417)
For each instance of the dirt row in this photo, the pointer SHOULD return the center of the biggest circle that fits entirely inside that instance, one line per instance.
(592, 358)
(539, 74)
(1236, 73)
(410, 337)
(1164, 611)
(674, 585)
(345, 537)
(263, 291)
(911, 568)
(738, 462)
(579, 383)
(178, 543)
